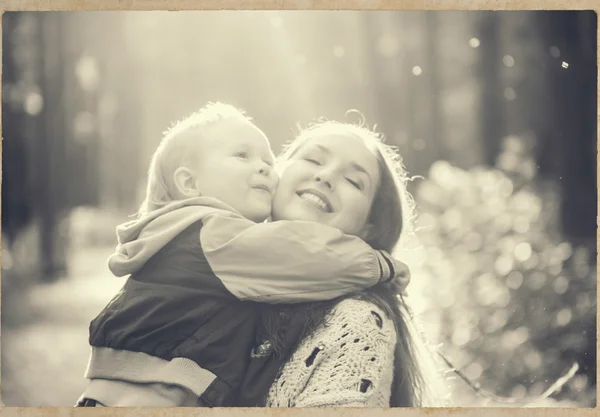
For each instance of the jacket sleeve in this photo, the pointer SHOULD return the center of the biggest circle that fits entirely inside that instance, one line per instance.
(289, 261)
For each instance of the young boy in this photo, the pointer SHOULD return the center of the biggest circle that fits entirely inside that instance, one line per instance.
(180, 331)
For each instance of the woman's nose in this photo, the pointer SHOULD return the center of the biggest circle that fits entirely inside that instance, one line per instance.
(324, 178)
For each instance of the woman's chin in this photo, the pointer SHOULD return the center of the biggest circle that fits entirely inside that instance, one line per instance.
(298, 213)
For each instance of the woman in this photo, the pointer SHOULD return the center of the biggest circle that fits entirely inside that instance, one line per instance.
(360, 350)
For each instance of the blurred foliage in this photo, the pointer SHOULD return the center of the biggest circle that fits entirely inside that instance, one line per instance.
(517, 303)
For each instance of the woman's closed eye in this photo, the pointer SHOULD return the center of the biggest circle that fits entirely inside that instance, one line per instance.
(313, 160)
(356, 184)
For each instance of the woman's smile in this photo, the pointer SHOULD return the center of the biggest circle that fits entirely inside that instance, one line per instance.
(317, 199)
(330, 180)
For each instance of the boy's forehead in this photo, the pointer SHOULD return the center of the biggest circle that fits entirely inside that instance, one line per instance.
(238, 132)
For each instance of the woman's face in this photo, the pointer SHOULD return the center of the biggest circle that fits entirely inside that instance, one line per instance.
(330, 180)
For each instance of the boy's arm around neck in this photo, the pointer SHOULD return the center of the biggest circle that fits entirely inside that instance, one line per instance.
(289, 261)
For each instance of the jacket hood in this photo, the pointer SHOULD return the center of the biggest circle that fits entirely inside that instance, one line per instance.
(140, 239)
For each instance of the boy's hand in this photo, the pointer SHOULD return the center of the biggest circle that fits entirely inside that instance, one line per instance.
(401, 279)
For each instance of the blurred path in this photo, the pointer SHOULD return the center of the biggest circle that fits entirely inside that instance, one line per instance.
(44, 335)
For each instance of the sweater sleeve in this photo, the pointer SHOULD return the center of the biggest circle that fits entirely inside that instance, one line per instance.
(289, 261)
(349, 363)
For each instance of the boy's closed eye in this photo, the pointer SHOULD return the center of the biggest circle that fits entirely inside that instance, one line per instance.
(241, 154)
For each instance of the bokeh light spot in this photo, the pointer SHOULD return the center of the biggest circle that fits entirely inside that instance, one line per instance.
(563, 317)
(87, 73)
(536, 280)
(523, 251)
(514, 280)
(510, 94)
(34, 103)
(508, 61)
(461, 336)
(504, 264)
(560, 285)
(474, 42)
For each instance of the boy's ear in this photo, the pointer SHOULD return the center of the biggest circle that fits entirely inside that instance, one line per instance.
(185, 182)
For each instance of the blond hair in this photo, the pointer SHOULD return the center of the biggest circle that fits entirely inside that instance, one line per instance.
(178, 147)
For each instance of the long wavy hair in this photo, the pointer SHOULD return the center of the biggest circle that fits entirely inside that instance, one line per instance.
(391, 215)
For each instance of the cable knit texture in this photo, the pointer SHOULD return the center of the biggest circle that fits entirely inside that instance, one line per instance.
(349, 362)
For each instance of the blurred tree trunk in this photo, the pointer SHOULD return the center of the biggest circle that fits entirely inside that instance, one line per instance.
(406, 103)
(492, 115)
(383, 73)
(82, 78)
(32, 128)
(432, 73)
(459, 87)
(568, 151)
(551, 68)
(572, 111)
(546, 87)
(119, 118)
(103, 101)
(39, 174)
(17, 211)
(51, 158)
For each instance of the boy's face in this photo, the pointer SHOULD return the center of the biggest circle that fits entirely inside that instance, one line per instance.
(236, 167)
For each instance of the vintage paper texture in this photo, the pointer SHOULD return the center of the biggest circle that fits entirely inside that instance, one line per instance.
(182, 5)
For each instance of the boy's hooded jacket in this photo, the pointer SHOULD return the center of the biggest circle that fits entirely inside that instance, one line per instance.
(187, 315)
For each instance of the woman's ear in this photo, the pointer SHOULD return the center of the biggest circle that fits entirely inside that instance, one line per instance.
(185, 182)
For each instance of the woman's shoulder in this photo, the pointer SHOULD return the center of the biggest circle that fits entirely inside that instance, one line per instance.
(363, 316)
(357, 304)
(348, 361)
(358, 307)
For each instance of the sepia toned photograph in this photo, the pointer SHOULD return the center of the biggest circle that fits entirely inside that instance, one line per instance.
(417, 190)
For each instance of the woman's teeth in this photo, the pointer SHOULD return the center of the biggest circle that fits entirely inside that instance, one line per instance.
(318, 201)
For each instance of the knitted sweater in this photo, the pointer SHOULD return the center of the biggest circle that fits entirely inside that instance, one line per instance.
(349, 362)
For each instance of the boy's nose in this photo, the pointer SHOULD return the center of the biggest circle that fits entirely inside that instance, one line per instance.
(264, 169)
